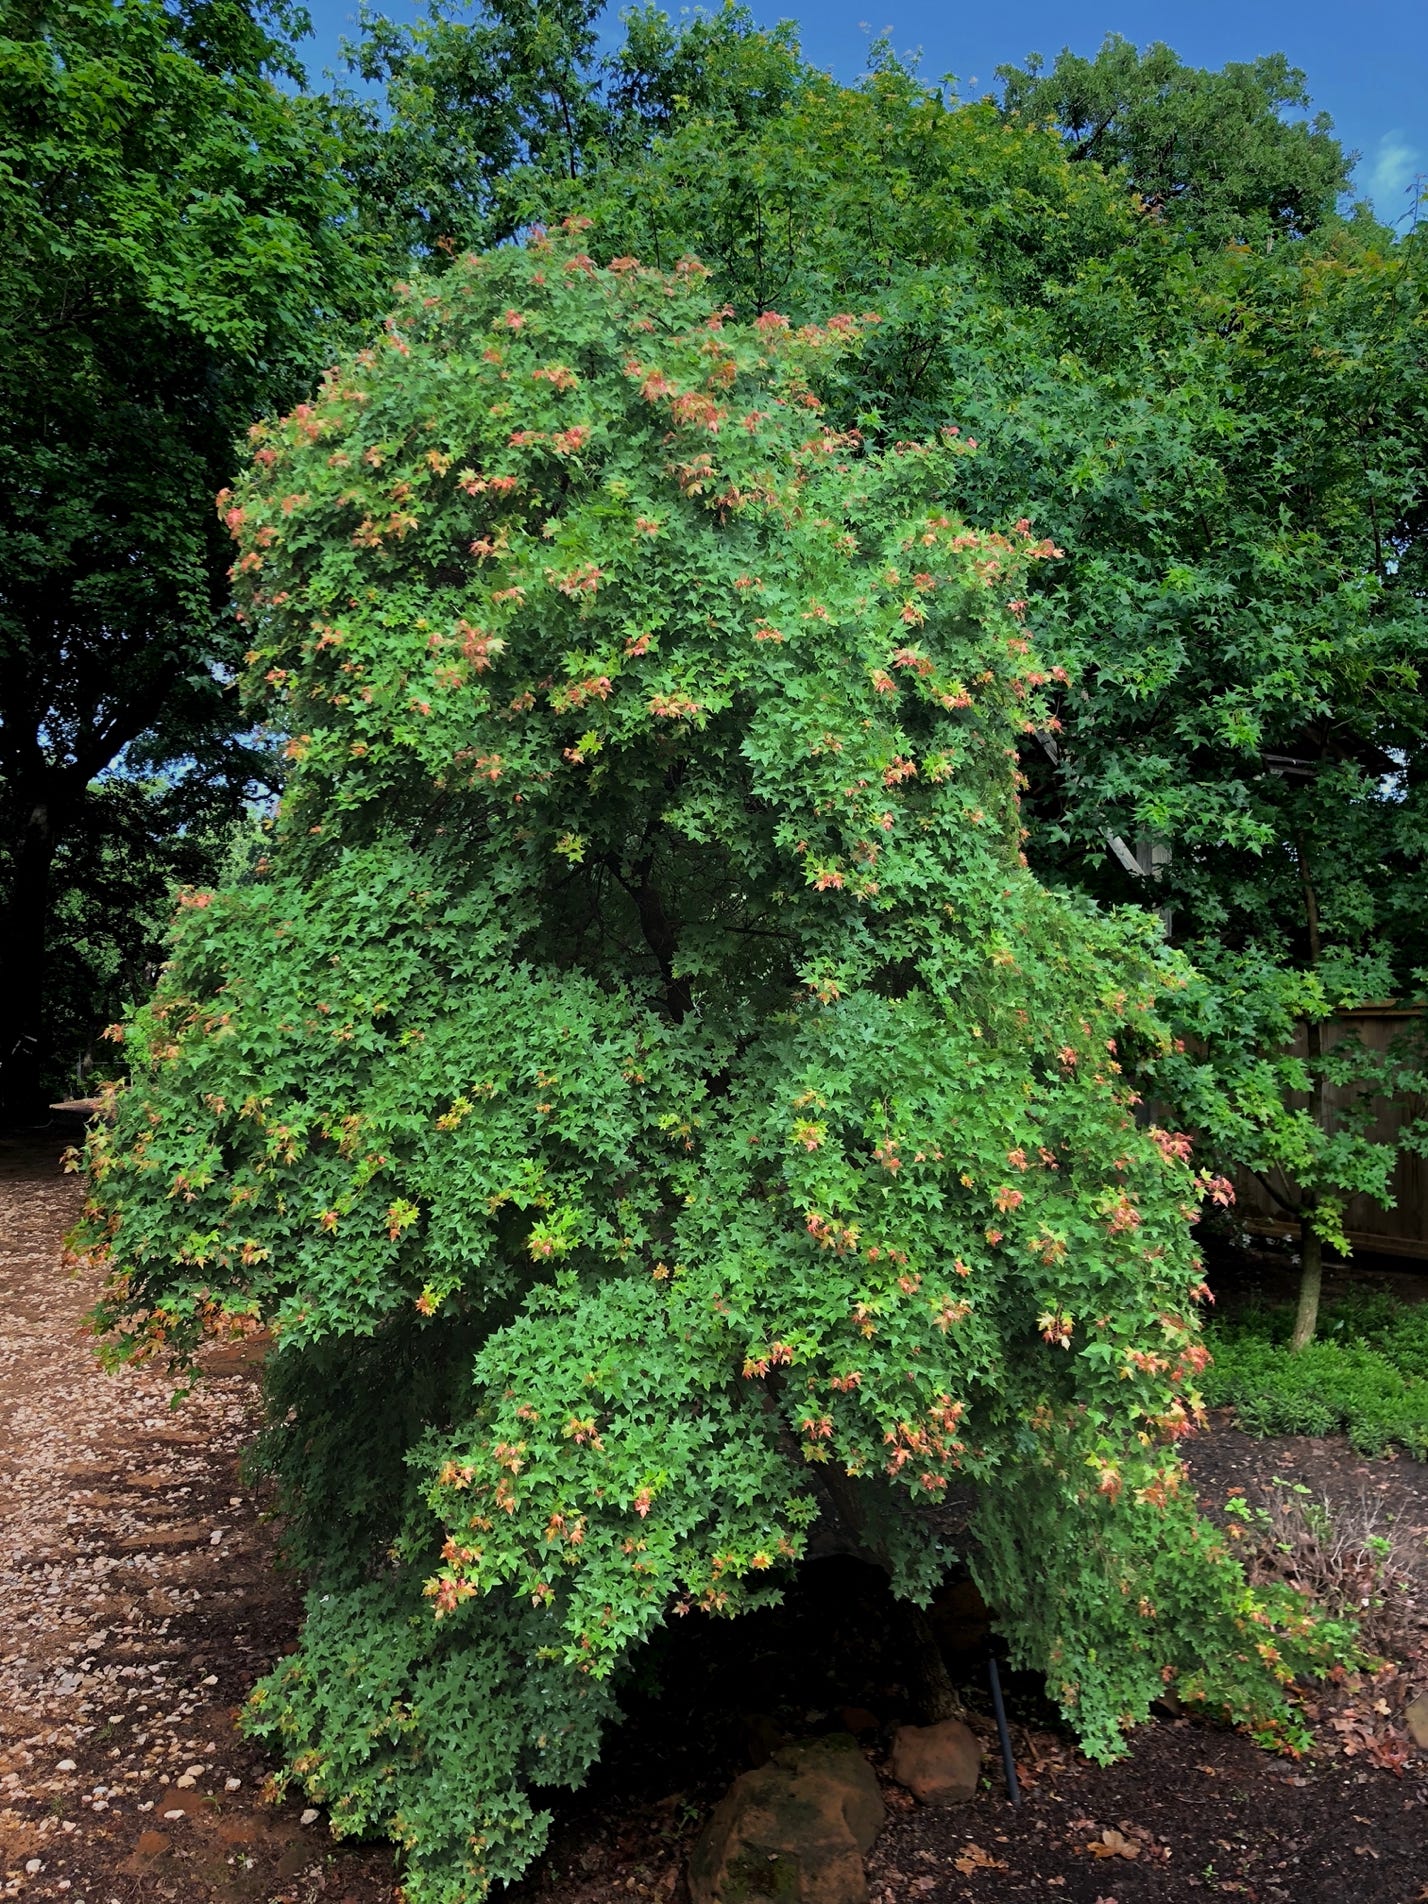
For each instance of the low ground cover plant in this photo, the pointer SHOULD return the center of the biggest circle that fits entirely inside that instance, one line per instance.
(1366, 1376)
(642, 1089)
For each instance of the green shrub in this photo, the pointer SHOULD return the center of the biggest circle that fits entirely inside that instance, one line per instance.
(645, 1093)
(1365, 1376)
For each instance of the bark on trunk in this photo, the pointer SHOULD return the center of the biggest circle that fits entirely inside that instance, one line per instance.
(1311, 1247)
(936, 1696)
(1311, 1279)
(932, 1689)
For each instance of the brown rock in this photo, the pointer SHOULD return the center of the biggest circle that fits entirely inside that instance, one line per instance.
(939, 1764)
(1417, 1717)
(795, 1829)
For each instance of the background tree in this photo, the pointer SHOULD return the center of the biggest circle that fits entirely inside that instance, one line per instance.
(140, 838)
(645, 1092)
(450, 105)
(171, 217)
(460, 116)
(1211, 153)
(1228, 442)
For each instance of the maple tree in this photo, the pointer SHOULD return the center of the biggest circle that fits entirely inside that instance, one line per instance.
(1223, 437)
(642, 1088)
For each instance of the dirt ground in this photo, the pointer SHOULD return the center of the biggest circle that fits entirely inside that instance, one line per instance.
(139, 1602)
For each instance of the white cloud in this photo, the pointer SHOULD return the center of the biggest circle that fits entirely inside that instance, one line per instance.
(1395, 166)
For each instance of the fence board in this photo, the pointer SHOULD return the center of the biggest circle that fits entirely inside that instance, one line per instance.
(1401, 1230)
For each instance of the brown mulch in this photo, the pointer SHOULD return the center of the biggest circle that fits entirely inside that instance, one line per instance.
(139, 1601)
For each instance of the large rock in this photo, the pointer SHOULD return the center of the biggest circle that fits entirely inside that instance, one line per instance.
(1417, 1717)
(940, 1764)
(794, 1829)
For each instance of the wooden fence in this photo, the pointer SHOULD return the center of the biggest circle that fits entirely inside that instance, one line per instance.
(1399, 1231)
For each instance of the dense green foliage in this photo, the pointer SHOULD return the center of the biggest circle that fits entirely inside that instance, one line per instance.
(172, 255)
(1125, 278)
(1229, 442)
(461, 115)
(1229, 445)
(1211, 154)
(643, 1089)
(1366, 1376)
(640, 1081)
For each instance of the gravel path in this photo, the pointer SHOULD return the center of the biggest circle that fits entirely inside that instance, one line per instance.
(138, 1603)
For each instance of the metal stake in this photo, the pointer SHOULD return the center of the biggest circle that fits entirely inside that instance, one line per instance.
(1008, 1762)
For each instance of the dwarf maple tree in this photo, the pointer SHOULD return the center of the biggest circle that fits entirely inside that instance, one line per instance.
(643, 1090)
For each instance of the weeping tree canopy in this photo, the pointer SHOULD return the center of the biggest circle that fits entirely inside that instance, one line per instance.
(643, 1089)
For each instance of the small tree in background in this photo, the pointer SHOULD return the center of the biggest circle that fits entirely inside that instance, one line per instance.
(1306, 1124)
(644, 1092)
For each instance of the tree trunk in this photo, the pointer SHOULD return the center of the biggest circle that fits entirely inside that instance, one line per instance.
(23, 933)
(931, 1685)
(1311, 1247)
(936, 1696)
(1311, 1278)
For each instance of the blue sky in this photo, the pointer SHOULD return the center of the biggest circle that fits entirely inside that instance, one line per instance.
(1366, 62)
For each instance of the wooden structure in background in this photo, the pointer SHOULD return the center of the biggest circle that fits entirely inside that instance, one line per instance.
(1399, 1231)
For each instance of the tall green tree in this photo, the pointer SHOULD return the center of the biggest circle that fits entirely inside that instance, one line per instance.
(172, 228)
(1211, 153)
(460, 117)
(450, 105)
